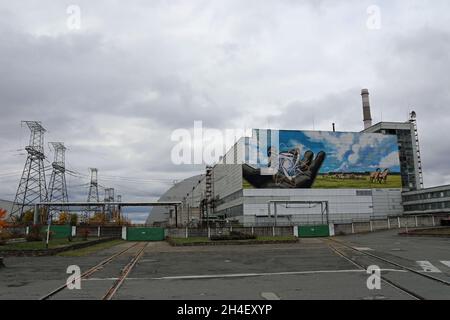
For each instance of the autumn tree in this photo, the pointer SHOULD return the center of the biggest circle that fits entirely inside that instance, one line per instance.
(3, 214)
(98, 218)
(28, 217)
(63, 218)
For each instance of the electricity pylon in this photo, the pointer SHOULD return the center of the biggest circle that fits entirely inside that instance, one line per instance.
(109, 197)
(93, 194)
(32, 186)
(57, 188)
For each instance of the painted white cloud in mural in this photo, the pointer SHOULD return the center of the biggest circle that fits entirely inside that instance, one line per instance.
(391, 160)
(339, 144)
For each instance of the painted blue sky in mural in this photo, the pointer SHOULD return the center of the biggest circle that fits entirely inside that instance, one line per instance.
(345, 151)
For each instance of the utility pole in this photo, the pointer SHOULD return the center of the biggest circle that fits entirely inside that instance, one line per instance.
(57, 186)
(93, 194)
(32, 186)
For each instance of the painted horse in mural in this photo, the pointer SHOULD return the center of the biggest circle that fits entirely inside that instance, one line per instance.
(382, 177)
(374, 175)
(379, 176)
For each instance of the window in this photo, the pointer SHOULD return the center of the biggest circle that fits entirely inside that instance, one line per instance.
(364, 193)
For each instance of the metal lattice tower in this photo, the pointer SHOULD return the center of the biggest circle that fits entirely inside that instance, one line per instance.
(57, 188)
(413, 120)
(118, 209)
(32, 186)
(109, 197)
(93, 194)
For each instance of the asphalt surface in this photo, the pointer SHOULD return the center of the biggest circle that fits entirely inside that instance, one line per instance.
(310, 269)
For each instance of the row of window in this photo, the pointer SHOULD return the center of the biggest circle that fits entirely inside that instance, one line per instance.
(428, 195)
(428, 206)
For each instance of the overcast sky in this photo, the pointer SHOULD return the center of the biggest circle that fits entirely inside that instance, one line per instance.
(115, 89)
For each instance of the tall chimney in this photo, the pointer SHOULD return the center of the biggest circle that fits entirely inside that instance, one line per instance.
(366, 108)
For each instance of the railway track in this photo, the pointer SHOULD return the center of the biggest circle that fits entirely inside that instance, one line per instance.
(333, 244)
(123, 273)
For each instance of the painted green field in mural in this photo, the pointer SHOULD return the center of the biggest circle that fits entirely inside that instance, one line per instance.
(325, 182)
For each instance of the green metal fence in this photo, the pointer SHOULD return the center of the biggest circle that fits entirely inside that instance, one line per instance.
(314, 231)
(58, 232)
(145, 234)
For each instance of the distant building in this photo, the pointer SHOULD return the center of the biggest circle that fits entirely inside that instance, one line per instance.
(163, 216)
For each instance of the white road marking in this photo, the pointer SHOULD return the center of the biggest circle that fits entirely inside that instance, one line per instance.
(362, 249)
(101, 279)
(270, 296)
(446, 263)
(240, 275)
(428, 267)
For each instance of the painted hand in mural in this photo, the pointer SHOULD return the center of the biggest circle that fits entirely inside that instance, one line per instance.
(293, 172)
(304, 173)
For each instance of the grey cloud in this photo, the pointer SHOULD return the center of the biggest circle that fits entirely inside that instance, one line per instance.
(115, 90)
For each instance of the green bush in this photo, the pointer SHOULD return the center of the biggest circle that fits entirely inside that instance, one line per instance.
(233, 236)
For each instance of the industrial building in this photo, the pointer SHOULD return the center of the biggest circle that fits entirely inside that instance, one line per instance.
(163, 216)
(434, 200)
(305, 177)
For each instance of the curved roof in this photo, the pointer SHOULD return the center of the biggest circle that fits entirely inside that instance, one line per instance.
(175, 193)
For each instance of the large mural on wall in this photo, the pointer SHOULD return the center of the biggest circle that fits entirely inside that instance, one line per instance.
(321, 159)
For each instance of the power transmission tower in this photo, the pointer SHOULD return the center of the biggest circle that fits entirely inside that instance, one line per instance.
(109, 197)
(57, 186)
(32, 186)
(93, 194)
(119, 209)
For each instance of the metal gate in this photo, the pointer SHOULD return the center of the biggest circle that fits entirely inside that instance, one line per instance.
(314, 231)
(145, 234)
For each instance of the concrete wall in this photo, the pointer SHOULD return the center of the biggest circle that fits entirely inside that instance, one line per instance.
(387, 202)
(227, 181)
(344, 204)
(402, 222)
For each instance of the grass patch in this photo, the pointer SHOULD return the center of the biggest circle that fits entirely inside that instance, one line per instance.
(189, 240)
(92, 249)
(276, 238)
(40, 245)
